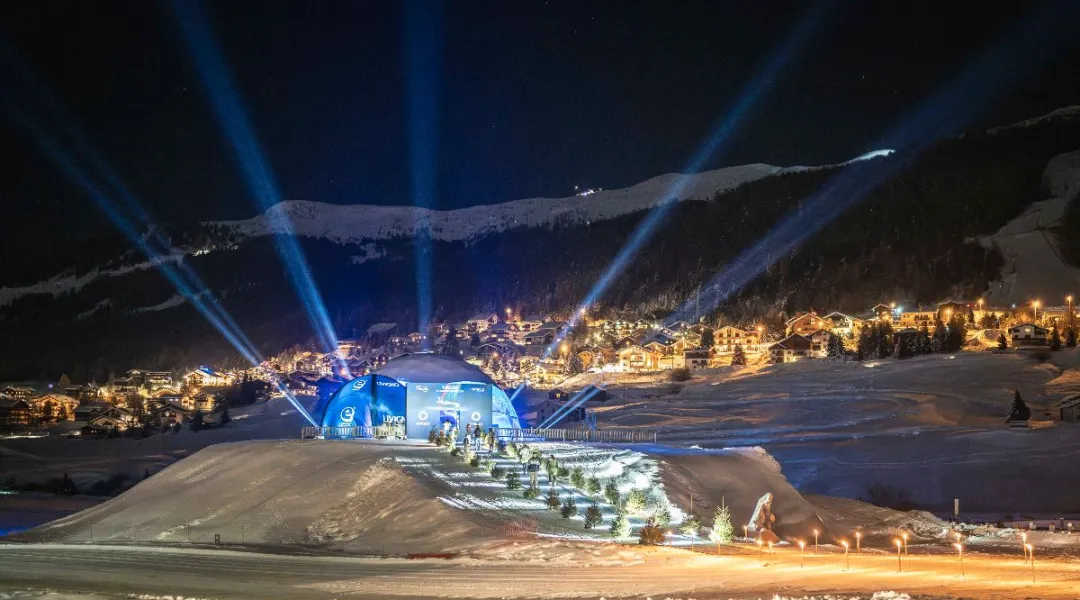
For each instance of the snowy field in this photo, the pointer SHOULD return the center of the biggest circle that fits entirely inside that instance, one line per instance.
(932, 426)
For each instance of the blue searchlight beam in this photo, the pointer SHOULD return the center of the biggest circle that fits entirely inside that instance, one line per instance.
(721, 133)
(423, 43)
(997, 68)
(225, 101)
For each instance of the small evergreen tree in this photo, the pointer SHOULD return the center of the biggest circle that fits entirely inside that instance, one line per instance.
(707, 338)
(497, 472)
(593, 517)
(1002, 342)
(956, 334)
(474, 340)
(691, 525)
(722, 531)
(592, 486)
(1055, 338)
(937, 343)
(922, 341)
(1019, 410)
(635, 501)
(835, 346)
(552, 499)
(620, 525)
(611, 493)
(971, 317)
(197, 421)
(531, 493)
(651, 534)
(569, 508)
(738, 357)
(512, 481)
(1070, 337)
(577, 478)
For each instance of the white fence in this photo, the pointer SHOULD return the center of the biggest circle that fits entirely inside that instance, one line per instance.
(633, 436)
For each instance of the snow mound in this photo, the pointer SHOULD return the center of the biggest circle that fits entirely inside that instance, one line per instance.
(1064, 114)
(349, 496)
(737, 477)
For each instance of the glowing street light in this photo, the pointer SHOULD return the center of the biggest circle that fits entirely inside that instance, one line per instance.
(899, 565)
(847, 555)
(815, 541)
(858, 542)
(1023, 537)
(802, 553)
(1035, 305)
(960, 551)
(1031, 551)
(905, 536)
(744, 534)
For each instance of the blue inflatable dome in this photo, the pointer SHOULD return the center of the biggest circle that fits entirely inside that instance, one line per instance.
(421, 391)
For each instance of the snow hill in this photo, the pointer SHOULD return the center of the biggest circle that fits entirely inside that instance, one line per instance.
(1035, 266)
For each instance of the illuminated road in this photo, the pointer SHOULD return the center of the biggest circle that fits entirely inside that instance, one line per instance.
(208, 573)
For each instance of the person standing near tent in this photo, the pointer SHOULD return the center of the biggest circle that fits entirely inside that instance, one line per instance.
(523, 456)
(491, 440)
(552, 469)
(478, 437)
(534, 468)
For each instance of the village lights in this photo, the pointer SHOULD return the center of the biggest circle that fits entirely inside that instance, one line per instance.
(847, 556)
(960, 552)
(899, 565)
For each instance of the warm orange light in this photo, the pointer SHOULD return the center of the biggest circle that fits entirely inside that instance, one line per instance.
(844, 544)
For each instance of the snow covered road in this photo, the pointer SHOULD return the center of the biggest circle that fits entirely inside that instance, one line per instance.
(211, 573)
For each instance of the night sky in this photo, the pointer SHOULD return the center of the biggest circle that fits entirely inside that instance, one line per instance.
(535, 97)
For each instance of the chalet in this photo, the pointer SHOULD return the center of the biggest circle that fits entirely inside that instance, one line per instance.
(167, 414)
(154, 378)
(14, 413)
(416, 338)
(806, 324)
(379, 334)
(547, 371)
(208, 402)
(726, 338)
(90, 410)
(626, 341)
(557, 394)
(54, 407)
(819, 343)
(696, 358)
(481, 322)
(637, 358)
(18, 391)
(165, 392)
(592, 393)
(542, 337)
(309, 362)
(1069, 410)
(916, 319)
(790, 349)
(83, 393)
(123, 386)
(499, 332)
(1028, 334)
(207, 377)
(548, 408)
(842, 324)
(946, 310)
(531, 323)
(882, 312)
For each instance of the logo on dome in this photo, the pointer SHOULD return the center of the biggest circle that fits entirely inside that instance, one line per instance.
(359, 384)
(347, 414)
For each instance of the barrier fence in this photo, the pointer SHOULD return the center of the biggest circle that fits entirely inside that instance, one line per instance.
(337, 432)
(632, 436)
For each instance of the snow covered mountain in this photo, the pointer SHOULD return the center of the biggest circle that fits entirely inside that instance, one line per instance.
(358, 223)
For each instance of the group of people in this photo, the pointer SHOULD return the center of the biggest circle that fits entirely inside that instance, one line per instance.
(475, 437)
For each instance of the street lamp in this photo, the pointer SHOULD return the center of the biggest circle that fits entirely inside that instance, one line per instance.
(802, 553)
(815, 541)
(904, 535)
(1031, 551)
(847, 556)
(858, 542)
(1035, 305)
(1023, 537)
(960, 551)
(899, 565)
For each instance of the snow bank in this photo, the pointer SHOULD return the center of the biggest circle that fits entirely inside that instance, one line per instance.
(738, 477)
